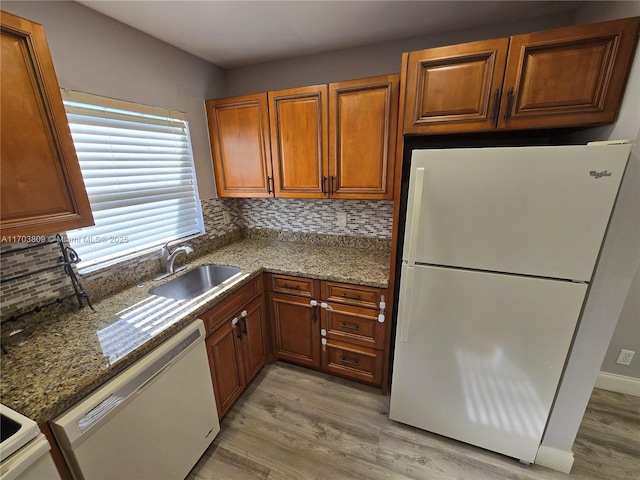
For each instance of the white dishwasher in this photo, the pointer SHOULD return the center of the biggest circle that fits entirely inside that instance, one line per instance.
(152, 421)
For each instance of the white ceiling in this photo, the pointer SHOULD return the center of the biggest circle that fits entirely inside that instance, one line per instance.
(235, 33)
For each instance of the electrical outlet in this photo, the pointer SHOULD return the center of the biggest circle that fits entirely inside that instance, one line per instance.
(342, 219)
(625, 357)
(226, 219)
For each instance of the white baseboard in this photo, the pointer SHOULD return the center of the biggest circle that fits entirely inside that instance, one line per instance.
(554, 458)
(618, 383)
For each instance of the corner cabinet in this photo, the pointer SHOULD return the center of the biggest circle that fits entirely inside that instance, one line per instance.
(295, 321)
(333, 327)
(321, 141)
(42, 190)
(570, 77)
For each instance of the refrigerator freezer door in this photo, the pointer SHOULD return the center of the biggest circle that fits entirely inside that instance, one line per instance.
(540, 211)
(483, 355)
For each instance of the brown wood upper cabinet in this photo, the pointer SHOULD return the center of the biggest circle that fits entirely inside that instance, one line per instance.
(322, 141)
(42, 190)
(363, 119)
(298, 120)
(568, 77)
(240, 145)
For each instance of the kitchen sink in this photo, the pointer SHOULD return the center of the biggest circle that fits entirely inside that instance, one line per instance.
(195, 282)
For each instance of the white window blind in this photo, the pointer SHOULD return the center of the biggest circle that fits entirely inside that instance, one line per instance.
(139, 174)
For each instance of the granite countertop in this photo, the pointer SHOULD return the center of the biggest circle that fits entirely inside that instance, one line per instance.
(53, 364)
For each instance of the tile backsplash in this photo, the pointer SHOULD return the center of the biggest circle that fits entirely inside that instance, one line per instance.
(36, 289)
(364, 218)
(369, 219)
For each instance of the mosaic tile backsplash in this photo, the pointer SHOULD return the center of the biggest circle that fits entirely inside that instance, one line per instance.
(368, 219)
(364, 218)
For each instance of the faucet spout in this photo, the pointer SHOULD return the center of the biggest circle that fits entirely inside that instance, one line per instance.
(169, 257)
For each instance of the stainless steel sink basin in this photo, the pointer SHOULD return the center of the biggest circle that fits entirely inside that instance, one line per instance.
(195, 282)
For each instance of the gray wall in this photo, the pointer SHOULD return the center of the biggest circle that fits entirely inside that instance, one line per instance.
(626, 334)
(95, 54)
(368, 61)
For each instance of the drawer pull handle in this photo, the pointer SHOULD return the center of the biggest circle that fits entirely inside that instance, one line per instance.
(350, 362)
(352, 297)
(291, 287)
(350, 326)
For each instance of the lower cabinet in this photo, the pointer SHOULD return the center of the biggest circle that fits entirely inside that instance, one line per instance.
(352, 361)
(330, 326)
(296, 329)
(333, 327)
(237, 343)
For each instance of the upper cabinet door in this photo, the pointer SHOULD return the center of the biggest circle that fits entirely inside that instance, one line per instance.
(239, 133)
(298, 121)
(455, 88)
(363, 118)
(568, 77)
(42, 190)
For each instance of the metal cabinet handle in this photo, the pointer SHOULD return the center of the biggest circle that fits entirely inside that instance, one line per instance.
(332, 186)
(350, 326)
(323, 187)
(350, 362)
(352, 297)
(507, 114)
(291, 287)
(496, 101)
(268, 184)
(244, 325)
(234, 324)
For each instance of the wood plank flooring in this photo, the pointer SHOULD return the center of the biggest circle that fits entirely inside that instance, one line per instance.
(294, 423)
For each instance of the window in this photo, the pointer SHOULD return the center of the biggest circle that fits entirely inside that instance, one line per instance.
(139, 174)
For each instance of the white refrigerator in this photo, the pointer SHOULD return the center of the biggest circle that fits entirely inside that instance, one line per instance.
(500, 246)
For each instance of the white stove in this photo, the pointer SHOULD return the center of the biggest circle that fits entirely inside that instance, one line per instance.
(24, 450)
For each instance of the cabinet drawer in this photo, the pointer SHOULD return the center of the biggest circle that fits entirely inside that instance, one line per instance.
(232, 305)
(355, 325)
(353, 361)
(303, 287)
(352, 294)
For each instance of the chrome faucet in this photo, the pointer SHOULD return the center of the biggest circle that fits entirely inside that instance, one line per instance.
(169, 257)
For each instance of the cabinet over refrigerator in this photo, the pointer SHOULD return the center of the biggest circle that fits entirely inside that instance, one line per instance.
(500, 246)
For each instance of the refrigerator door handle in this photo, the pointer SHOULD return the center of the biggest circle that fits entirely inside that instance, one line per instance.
(415, 216)
(404, 312)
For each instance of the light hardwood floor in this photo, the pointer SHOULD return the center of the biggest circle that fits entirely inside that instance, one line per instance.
(294, 423)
